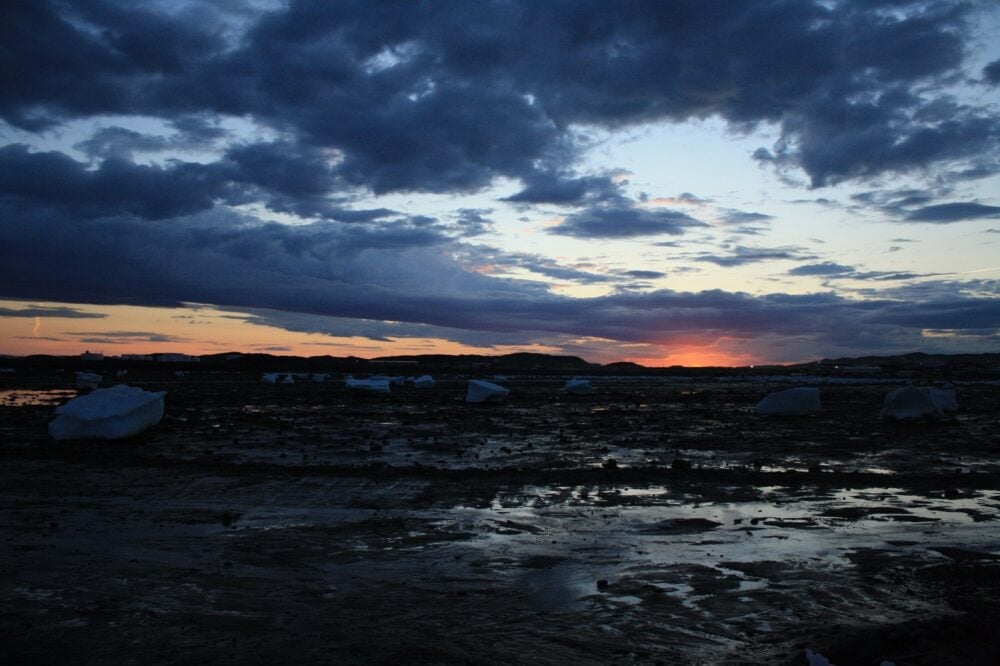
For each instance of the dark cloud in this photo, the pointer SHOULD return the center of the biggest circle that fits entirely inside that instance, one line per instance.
(324, 269)
(991, 73)
(490, 260)
(547, 187)
(953, 212)
(739, 217)
(644, 275)
(740, 256)
(450, 96)
(625, 222)
(473, 222)
(824, 269)
(51, 180)
(32, 311)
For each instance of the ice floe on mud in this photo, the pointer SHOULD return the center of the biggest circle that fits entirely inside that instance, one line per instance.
(424, 382)
(480, 391)
(578, 386)
(111, 413)
(799, 401)
(910, 403)
(944, 398)
(375, 384)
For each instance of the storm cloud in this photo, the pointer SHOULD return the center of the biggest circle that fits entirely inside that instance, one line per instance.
(448, 96)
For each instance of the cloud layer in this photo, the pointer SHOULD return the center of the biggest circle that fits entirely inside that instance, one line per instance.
(194, 126)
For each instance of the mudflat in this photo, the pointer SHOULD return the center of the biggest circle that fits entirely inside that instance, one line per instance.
(652, 521)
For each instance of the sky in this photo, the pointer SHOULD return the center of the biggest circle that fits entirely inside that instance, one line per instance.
(692, 182)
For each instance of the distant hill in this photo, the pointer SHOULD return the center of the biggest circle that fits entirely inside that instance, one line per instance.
(916, 364)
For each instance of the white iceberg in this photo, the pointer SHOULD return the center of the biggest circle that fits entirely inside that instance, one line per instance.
(288, 379)
(910, 404)
(424, 382)
(111, 413)
(798, 401)
(578, 386)
(375, 384)
(480, 391)
(320, 377)
(88, 380)
(269, 378)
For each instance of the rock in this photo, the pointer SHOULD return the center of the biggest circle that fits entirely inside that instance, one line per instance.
(799, 401)
(112, 413)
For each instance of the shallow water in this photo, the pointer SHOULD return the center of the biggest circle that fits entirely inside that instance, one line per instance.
(35, 398)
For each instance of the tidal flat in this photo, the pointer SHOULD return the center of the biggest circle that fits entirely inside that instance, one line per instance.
(652, 521)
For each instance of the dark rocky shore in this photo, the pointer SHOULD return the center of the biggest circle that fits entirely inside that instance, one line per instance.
(657, 520)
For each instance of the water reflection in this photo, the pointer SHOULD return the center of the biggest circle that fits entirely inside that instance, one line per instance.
(35, 398)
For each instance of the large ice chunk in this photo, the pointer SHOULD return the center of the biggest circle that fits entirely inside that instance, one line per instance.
(88, 380)
(424, 382)
(480, 391)
(578, 386)
(798, 401)
(111, 413)
(910, 404)
(944, 398)
(374, 384)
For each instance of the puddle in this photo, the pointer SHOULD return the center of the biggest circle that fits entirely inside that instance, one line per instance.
(35, 398)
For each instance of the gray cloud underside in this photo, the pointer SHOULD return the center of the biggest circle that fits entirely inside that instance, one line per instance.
(448, 96)
(318, 269)
(741, 256)
(623, 221)
(953, 212)
(45, 311)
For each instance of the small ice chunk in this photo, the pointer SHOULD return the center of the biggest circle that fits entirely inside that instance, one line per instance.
(816, 659)
(320, 377)
(424, 382)
(6, 371)
(910, 404)
(480, 391)
(578, 386)
(88, 380)
(111, 413)
(375, 384)
(121, 374)
(798, 401)
(498, 379)
(269, 378)
(289, 378)
(180, 373)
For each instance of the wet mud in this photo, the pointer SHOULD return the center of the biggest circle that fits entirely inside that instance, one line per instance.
(653, 521)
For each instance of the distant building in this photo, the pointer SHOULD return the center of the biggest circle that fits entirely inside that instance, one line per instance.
(177, 358)
(91, 356)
